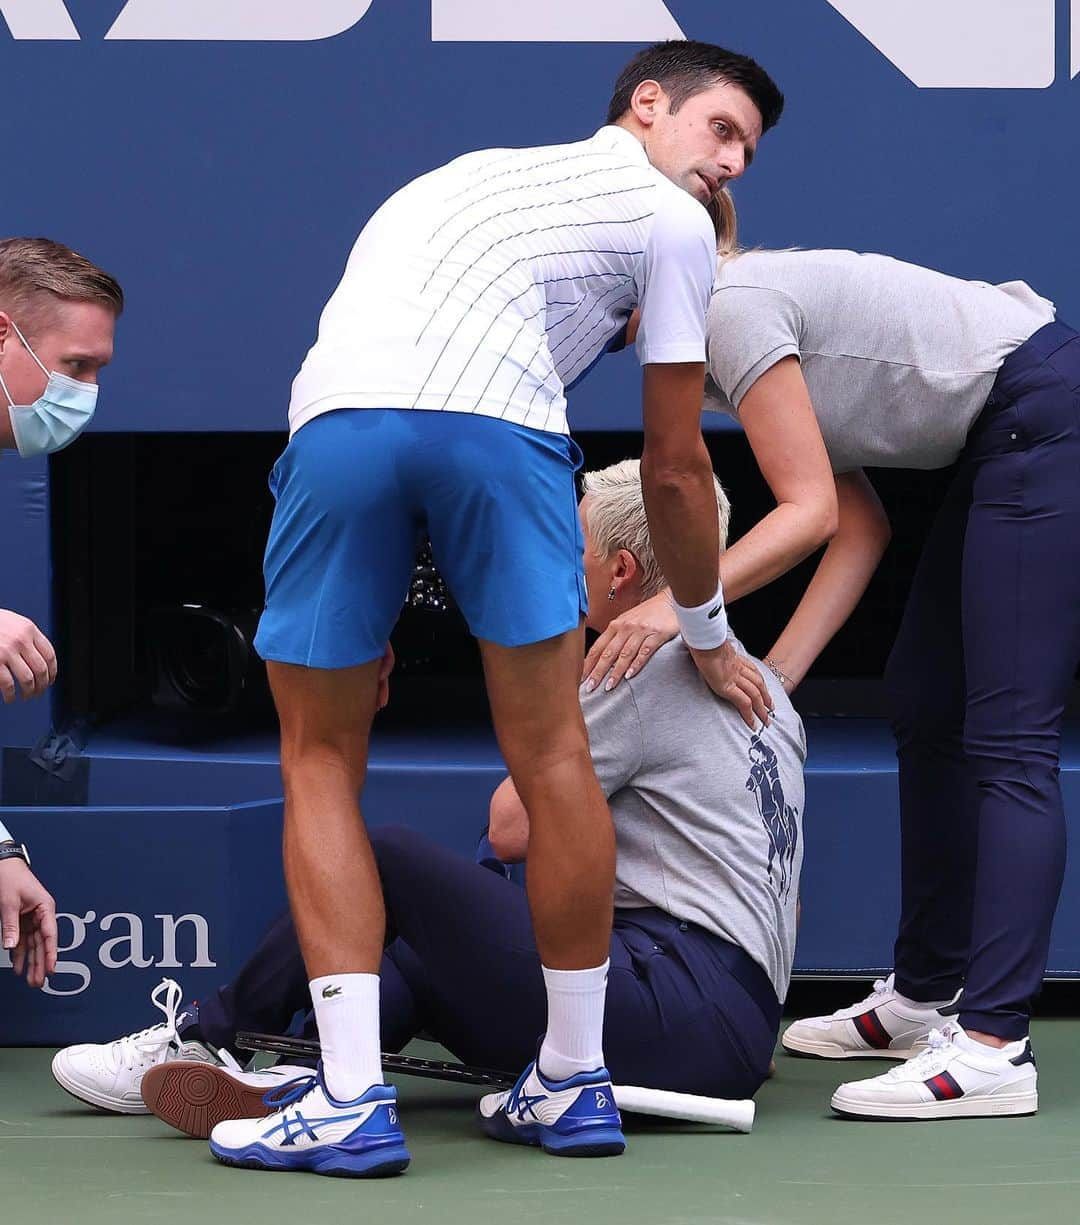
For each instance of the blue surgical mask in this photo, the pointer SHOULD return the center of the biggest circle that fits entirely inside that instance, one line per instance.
(56, 418)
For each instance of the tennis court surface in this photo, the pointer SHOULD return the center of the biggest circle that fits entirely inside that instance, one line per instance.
(60, 1162)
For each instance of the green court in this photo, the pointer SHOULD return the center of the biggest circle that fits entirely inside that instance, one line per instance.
(60, 1162)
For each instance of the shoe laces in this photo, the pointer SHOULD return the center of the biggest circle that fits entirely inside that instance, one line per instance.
(151, 1043)
(882, 986)
(938, 1042)
(291, 1091)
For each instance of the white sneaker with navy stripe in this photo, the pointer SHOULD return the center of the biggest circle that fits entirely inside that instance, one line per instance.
(569, 1118)
(885, 1025)
(954, 1077)
(311, 1130)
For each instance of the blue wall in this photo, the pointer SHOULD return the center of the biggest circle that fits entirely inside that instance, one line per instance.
(224, 182)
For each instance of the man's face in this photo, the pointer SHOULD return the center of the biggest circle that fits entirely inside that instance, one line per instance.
(709, 140)
(72, 338)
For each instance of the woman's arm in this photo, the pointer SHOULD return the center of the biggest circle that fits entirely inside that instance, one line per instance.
(783, 430)
(783, 433)
(839, 581)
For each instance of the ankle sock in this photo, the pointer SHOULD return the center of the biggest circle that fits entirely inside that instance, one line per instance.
(347, 1014)
(575, 1030)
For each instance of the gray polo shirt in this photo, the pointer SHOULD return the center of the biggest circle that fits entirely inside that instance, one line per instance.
(708, 814)
(899, 360)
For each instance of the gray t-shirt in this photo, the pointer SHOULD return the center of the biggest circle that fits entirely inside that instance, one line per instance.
(899, 360)
(708, 814)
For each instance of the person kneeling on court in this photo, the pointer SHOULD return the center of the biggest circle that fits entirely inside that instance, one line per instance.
(708, 821)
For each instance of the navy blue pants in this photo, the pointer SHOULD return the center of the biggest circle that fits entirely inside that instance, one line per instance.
(686, 1010)
(977, 682)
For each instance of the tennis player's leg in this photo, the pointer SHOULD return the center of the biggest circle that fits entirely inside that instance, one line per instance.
(506, 536)
(337, 569)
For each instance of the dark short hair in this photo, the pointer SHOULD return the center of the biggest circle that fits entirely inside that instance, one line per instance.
(684, 68)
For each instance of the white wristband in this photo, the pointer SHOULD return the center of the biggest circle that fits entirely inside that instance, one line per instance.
(4, 835)
(706, 626)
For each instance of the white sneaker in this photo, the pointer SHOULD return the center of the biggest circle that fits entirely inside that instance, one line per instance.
(955, 1077)
(313, 1131)
(109, 1075)
(885, 1025)
(568, 1118)
(196, 1097)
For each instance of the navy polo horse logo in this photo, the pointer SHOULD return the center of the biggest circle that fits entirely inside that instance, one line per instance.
(778, 816)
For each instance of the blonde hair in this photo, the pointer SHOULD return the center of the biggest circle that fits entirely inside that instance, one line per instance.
(725, 221)
(617, 519)
(37, 272)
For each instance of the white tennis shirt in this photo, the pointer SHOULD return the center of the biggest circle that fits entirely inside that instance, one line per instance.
(492, 284)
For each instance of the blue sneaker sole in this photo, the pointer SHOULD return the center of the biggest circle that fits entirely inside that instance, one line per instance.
(588, 1142)
(336, 1162)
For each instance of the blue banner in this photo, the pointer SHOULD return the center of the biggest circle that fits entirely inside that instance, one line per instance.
(221, 158)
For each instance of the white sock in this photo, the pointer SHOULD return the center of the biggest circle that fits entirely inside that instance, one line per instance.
(347, 1014)
(966, 1042)
(936, 1005)
(574, 1041)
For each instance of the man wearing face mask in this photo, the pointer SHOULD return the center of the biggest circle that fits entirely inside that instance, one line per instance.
(58, 313)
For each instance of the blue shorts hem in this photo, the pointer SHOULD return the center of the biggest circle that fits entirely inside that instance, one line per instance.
(280, 653)
(530, 637)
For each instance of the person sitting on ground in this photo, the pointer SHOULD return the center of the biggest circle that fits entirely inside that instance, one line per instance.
(708, 819)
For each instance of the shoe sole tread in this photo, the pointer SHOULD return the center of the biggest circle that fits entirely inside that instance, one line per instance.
(194, 1098)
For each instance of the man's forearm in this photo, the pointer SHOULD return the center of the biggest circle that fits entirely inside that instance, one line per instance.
(680, 501)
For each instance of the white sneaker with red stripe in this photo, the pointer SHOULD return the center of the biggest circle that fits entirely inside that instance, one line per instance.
(954, 1077)
(885, 1025)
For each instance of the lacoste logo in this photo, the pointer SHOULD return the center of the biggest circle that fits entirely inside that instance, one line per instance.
(328, 993)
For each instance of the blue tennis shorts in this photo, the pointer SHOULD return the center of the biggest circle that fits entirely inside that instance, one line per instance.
(357, 489)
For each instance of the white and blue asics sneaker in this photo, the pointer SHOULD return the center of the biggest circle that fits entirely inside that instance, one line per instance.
(311, 1130)
(570, 1118)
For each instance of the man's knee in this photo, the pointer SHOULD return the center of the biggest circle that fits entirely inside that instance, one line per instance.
(309, 760)
(565, 756)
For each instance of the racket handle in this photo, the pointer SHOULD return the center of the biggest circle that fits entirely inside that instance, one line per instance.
(736, 1114)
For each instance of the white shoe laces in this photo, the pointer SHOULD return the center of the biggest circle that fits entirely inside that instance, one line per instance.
(938, 1041)
(882, 986)
(151, 1044)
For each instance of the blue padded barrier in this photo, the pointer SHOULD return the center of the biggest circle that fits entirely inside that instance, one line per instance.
(175, 832)
(171, 868)
(851, 883)
(144, 891)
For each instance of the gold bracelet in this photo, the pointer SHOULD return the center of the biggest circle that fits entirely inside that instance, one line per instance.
(774, 668)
